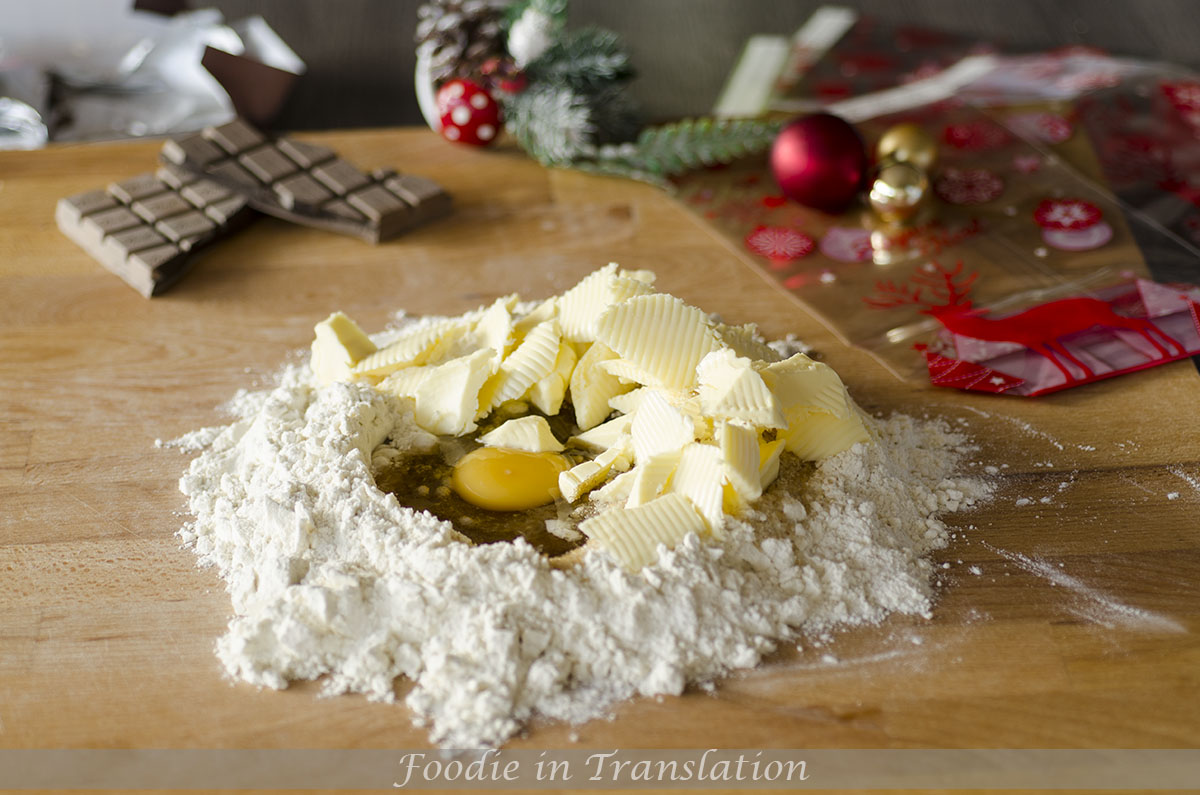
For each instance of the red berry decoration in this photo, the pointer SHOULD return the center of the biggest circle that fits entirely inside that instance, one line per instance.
(819, 161)
(468, 113)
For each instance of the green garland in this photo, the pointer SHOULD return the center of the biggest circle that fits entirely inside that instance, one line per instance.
(576, 112)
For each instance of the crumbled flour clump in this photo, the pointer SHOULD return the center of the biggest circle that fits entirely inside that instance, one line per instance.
(331, 577)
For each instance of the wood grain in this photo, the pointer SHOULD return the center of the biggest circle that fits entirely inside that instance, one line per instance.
(1079, 629)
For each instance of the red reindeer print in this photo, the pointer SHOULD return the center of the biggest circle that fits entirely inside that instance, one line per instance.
(944, 295)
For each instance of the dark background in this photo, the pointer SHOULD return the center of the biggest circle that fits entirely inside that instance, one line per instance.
(360, 53)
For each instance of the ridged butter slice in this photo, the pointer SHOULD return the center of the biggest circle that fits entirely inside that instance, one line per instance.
(532, 360)
(700, 476)
(659, 427)
(583, 477)
(661, 335)
(651, 477)
(603, 436)
(814, 435)
(629, 402)
(622, 448)
(592, 388)
(581, 306)
(338, 344)
(404, 383)
(615, 491)
(628, 372)
(799, 381)
(632, 535)
(411, 349)
(740, 451)
(644, 276)
(768, 461)
(745, 341)
(495, 328)
(539, 314)
(547, 394)
(731, 389)
(448, 399)
(531, 433)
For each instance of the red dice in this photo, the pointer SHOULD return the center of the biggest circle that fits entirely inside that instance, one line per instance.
(468, 113)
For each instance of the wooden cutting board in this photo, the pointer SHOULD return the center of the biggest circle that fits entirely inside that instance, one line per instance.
(1070, 608)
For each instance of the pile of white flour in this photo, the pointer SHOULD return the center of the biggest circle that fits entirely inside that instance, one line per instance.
(331, 577)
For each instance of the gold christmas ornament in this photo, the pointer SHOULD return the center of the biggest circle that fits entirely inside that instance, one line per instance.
(908, 143)
(898, 192)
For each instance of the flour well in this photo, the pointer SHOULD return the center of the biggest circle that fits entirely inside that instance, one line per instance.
(330, 577)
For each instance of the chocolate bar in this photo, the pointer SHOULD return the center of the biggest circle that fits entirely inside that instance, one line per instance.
(147, 229)
(307, 183)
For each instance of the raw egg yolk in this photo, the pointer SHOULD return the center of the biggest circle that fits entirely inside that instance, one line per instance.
(499, 479)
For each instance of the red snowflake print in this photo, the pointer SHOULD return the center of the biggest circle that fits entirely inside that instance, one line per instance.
(1192, 226)
(1185, 189)
(855, 64)
(976, 135)
(1037, 67)
(1027, 164)
(1049, 128)
(1090, 80)
(832, 89)
(915, 38)
(1133, 158)
(1084, 50)
(983, 48)
(779, 243)
(968, 186)
(1184, 95)
(847, 244)
(926, 70)
(1067, 214)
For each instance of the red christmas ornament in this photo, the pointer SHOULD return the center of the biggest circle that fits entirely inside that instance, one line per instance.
(820, 161)
(468, 114)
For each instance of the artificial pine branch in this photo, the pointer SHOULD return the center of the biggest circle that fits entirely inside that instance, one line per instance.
(576, 100)
(585, 60)
(577, 113)
(615, 116)
(552, 124)
(553, 9)
(671, 149)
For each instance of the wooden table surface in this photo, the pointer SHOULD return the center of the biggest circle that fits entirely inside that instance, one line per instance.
(1070, 608)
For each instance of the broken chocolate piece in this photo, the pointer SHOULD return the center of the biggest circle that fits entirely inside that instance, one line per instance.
(146, 229)
(306, 183)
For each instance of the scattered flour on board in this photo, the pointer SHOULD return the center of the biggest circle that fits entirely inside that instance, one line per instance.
(1090, 604)
(330, 577)
(1191, 480)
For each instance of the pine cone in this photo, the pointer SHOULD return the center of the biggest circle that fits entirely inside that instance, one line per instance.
(460, 35)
